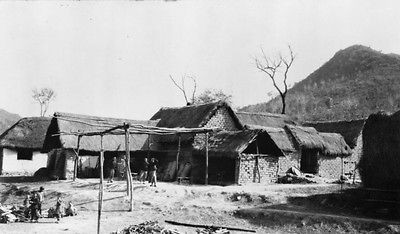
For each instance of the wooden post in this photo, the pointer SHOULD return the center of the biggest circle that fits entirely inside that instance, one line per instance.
(127, 161)
(129, 176)
(76, 158)
(177, 156)
(101, 184)
(206, 180)
(257, 163)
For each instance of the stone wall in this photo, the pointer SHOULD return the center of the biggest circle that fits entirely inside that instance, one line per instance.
(288, 161)
(330, 167)
(268, 168)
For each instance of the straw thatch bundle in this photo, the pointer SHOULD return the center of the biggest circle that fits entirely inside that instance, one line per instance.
(380, 161)
(27, 133)
(264, 119)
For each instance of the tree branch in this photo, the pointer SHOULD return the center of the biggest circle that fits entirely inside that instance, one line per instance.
(179, 87)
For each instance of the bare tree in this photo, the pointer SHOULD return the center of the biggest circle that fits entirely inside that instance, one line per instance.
(44, 96)
(183, 88)
(272, 67)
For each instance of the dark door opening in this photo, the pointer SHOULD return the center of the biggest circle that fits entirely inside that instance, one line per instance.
(309, 161)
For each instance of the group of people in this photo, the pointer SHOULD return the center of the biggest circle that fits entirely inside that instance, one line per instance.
(33, 204)
(148, 171)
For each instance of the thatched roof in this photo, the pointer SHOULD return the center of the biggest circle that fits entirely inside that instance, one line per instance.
(350, 130)
(380, 161)
(264, 119)
(233, 143)
(230, 141)
(306, 137)
(330, 144)
(334, 144)
(66, 122)
(27, 133)
(193, 116)
(279, 135)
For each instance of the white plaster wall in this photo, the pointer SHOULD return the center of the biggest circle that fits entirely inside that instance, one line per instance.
(26, 167)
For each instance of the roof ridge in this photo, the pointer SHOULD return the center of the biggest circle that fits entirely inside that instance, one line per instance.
(333, 121)
(261, 113)
(194, 105)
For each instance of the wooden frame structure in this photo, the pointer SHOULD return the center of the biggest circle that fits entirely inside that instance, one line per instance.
(128, 129)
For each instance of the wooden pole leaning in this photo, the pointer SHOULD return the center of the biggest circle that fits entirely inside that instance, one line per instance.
(206, 179)
(100, 185)
(76, 158)
(127, 160)
(177, 156)
(129, 175)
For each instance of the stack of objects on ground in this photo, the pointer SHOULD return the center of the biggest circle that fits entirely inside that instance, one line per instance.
(11, 213)
(148, 227)
(295, 176)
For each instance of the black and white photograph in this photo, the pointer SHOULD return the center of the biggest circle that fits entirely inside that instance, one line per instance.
(199, 116)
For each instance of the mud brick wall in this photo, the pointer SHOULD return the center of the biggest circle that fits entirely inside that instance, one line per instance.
(330, 167)
(268, 167)
(221, 119)
(288, 161)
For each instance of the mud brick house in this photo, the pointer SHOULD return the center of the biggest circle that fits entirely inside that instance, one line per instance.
(320, 153)
(242, 157)
(21, 144)
(275, 124)
(237, 155)
(351, 130)
(286, 143)
(61, 148)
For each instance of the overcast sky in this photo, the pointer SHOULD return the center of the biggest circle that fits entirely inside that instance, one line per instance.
(114, 58)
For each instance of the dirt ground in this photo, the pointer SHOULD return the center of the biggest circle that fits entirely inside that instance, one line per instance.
(263, 208)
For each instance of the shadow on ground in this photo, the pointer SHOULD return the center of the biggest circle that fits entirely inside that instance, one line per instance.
(341, 212)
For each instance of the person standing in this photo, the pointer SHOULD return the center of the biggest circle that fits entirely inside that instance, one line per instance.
(153, 172)
(58, 214)
(143, 171)
(112, 170)
(34, 206)
(40, 200)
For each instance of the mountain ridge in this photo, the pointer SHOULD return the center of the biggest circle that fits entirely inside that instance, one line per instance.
(354, 83)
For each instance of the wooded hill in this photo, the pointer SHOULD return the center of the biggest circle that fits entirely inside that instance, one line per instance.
(356, 82)
(7, 119)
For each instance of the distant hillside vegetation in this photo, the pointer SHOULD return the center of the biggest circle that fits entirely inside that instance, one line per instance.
(356, 82)
(7, 119)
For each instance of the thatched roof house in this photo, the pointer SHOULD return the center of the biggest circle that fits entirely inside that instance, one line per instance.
(380, 164)
(264, 119)
(234, 143)
(350, 130)
(66, 123)
(21, 144)
(332, 144)
(27, 133)
(192, 116)
(280, 136)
